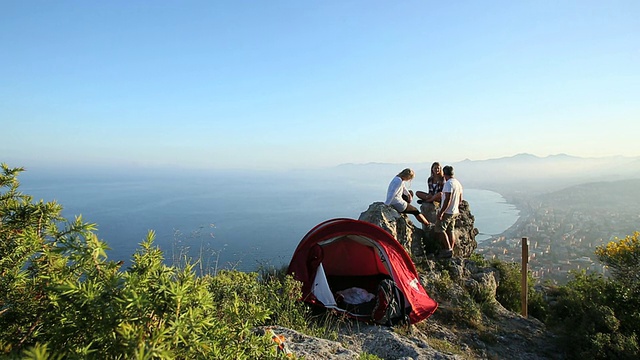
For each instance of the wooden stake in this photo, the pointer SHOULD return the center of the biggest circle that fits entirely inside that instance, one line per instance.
(524, 295)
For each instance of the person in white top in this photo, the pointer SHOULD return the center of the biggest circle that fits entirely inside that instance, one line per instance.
(400, 198)
(449, 210)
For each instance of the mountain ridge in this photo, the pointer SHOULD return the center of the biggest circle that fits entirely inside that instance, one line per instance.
(520, 172)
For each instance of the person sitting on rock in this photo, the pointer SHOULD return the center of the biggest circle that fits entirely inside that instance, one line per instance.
(435, 183)
(400, 198)
(430, 201)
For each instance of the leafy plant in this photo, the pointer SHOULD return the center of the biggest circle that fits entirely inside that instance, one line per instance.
(509, 291)
(600, 317)
(60, 297)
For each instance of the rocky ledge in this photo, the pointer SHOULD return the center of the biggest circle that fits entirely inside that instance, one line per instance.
(423, 241)
(458, 329)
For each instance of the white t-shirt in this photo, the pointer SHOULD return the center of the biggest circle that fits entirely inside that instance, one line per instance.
(454, 187)
(394, 194)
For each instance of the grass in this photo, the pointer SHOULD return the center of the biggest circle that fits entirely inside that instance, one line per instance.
(445, 346)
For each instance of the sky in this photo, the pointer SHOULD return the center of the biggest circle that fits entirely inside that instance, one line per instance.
(311, 84)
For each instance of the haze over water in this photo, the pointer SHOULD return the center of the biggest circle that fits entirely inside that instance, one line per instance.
(247, 220)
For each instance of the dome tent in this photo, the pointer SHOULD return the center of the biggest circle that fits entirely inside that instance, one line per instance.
(342, 254)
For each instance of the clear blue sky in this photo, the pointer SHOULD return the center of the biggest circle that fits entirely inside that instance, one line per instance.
(299, 84)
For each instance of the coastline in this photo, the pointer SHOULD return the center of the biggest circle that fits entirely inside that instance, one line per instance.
(496, 213)
(520, 203)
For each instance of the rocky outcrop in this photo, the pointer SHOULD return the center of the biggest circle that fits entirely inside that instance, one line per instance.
(469, 322)
(396, 224)
(308, 347)
(381, 341)
(423, 241)
(505, 335)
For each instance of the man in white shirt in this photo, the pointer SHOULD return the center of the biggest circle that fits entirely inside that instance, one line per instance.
(449, 210)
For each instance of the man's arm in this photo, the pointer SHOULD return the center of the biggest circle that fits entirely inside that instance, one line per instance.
(444, 205)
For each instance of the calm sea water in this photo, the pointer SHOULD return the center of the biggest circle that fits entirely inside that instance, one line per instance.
(240, 221)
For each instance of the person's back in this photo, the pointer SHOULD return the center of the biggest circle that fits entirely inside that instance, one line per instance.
(453, 188)
(400, 198)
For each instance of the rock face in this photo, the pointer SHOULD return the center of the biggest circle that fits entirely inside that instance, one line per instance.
(396, 224)
(380, 341)
(420, 242)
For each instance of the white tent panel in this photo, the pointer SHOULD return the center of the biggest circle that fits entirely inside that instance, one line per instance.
(321, 288)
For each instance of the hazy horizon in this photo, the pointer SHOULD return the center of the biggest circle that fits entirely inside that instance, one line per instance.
(289, 85)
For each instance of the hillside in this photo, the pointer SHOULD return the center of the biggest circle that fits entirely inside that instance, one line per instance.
(564, 227)
(620, 195)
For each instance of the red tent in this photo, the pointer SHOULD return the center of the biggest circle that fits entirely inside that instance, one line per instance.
(339, 254)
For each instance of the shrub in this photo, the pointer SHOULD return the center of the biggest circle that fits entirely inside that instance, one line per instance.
(591, 315)
(61, 298)
(600, 317)
(622, 257)
(509, 290)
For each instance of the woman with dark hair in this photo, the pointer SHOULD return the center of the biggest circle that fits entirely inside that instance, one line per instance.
(400, 198)
(435, 183)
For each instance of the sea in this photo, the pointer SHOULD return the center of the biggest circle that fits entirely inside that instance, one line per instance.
(232, 220)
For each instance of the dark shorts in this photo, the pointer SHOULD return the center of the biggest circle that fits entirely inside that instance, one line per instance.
(448, 222)
(413, 212)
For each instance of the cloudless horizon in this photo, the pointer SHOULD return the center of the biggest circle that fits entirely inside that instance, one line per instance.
(289, 84)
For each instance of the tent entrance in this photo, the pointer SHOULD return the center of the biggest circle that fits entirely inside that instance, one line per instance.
(336, 292)
(338, 284)
(351, 264)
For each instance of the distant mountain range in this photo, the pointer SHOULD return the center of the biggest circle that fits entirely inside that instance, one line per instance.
(522, 172)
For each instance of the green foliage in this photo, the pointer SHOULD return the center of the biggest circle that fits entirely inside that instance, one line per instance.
(622, 257)
(283, 294)
(537, 305)
(509, 291)
(479, 259)
(61, 298)
(466, 310)
(457, 304)
(367, 356)
(597, 318)
(443, 284)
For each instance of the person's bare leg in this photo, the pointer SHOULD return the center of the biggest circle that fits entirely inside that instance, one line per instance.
(412, 210)
(451, 238)
(422, 219)
(444, 239)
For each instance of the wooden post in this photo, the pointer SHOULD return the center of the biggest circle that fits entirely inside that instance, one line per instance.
(524, 296)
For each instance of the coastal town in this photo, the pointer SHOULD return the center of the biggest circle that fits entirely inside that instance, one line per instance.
(563, 235)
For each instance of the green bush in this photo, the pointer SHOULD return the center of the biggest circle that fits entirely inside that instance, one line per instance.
(509, 290)
(60, 297)
(597, 318)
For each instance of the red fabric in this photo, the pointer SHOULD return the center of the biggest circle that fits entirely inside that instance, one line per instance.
(349, 258)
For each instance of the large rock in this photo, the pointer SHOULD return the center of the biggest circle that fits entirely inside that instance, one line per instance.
(309, 347)
(420, 241)
(396, 224)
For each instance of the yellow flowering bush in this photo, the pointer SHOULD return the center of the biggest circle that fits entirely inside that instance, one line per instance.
(622, 256)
